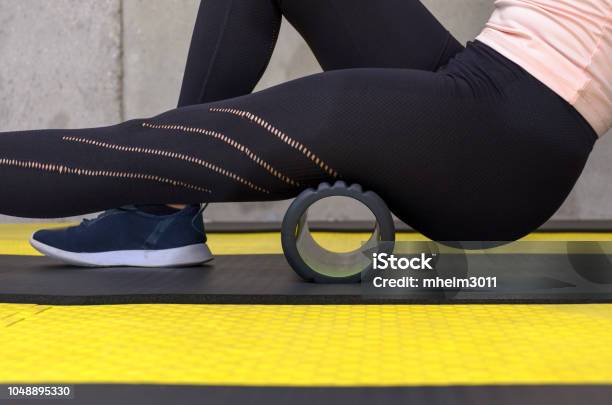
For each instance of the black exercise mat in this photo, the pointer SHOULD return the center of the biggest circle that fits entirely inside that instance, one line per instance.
(262, 279)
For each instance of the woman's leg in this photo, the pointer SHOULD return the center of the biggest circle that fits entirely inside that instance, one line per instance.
(232, 43)
(233, 40)
(377, 34)
(230, 49)
(470, 153)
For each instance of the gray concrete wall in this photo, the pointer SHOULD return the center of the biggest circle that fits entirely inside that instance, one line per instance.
(71, 63)
(60, 63)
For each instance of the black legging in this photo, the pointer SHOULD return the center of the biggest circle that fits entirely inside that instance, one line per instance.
(475, 150)
(233, 40)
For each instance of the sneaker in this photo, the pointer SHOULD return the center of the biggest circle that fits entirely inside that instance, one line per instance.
(130, 237)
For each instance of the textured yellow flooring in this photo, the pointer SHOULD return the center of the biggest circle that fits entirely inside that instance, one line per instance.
(307, 345)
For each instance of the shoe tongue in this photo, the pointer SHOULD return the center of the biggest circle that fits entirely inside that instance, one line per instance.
(157, 209)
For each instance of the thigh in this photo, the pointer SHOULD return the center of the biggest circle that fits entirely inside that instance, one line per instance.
(454, 157)
(372, 33)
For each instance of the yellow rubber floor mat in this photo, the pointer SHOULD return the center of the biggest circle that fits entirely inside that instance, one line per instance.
(14, 240)
(307, 345)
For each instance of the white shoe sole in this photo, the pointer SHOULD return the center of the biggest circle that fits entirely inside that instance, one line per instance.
(178, 257)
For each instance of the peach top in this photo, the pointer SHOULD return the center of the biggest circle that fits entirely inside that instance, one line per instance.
(565, 44)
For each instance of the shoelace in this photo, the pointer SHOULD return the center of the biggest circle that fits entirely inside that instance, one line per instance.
(128, 208)
(89, 221)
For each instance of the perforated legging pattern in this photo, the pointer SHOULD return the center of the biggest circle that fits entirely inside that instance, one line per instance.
(462, 144)
(281, 135)
(229, 141)
(73, 171)
(169, 155)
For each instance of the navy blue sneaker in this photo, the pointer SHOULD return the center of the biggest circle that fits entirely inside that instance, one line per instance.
(130, 237)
